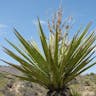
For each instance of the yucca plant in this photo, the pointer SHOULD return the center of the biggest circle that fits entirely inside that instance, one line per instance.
(59, 63)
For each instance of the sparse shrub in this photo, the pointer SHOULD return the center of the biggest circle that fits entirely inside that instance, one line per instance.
(87, 83)
(75, 93)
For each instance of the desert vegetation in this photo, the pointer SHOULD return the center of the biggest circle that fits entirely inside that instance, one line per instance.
(61, 61)
(16, 87)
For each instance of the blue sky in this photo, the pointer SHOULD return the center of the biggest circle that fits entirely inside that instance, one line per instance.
(22, 14)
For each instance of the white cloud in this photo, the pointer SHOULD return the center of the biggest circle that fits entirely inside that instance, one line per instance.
(3, 26)
(1, 45)
(2, 29)
(35, 22)
(43, 22)
(2, 33)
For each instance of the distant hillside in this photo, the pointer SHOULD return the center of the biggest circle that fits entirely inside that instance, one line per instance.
(9, 69)
(83, 84)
